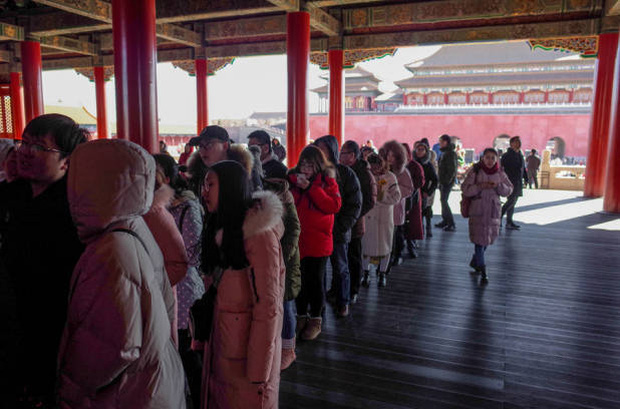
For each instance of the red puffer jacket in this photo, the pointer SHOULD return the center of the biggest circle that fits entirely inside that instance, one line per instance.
(316, 207)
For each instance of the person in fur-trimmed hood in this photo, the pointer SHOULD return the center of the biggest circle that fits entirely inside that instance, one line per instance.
(243, 256)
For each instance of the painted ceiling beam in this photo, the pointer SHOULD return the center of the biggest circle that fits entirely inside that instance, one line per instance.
(323, 21)
(10, 32)
(430, 12)
(614, 8)
(245, 28)
(102, 11)
(286, 5)
(175, 11)
(69, 45)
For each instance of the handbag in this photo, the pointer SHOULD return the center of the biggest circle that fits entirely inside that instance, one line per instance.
(202, 311)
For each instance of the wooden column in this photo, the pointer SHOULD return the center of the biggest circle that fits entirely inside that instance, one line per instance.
(32, 79)
(336, 94)
(17, 105)
(298, 60)
(102, 112)
(135, 71)
(601, 115)
(201, 94)
(611, 202)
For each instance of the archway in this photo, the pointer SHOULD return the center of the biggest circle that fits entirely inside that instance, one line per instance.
(557, 146)
(501, 143)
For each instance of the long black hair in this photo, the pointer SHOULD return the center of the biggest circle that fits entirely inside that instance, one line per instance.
(170, 167)
(234, 200)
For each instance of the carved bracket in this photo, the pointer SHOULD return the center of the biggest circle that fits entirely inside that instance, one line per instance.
(352, 57)
(213, 65)
(587, 47)
(108, 73)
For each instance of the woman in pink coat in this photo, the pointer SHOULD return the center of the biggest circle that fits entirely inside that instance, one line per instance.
(484, 185)
(243, 257)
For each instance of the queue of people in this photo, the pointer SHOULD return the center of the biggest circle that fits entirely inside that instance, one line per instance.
(159, 285)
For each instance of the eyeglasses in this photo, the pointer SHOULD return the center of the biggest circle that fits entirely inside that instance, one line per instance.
(34, 147)
(207, 146)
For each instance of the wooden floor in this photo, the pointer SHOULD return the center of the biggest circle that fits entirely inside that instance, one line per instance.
(545, 333)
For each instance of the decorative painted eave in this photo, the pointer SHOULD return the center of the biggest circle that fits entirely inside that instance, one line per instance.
(352, 57)
(586, 47)
(213, 65)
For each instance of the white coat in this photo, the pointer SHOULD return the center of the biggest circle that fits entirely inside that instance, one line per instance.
(377, 241)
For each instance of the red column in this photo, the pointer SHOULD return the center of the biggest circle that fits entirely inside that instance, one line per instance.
(33, 83)
(135, 63)
(601, 110)
(201, 94)
(102, 113)
(611, 202)
(17, 106)
(298, 60)
(336, 94)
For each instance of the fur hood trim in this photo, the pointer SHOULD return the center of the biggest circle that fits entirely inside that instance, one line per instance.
(163, 197)
(241, 154)
(266, 214)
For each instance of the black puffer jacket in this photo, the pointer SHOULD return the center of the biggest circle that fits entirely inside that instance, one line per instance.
(369, 194)
(448, 165)
(514, 166)
(350, 190)
(430, 176)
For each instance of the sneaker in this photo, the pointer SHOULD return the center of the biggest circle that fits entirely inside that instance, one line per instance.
(366, 279)
(288, 357)
(382, 280)
(484, 278)
(512, 226)
(473, 265)
(354, 299)
(450, 227)
(441, 225)
(302, 321)
(312, 330)
(343, 311)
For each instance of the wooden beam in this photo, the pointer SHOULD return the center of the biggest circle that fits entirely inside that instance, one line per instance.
(323, 21)
(102, 11)
(614, 8)
(334, 3)
(6, 56)
(175, 11)
(245, 28)
(286, 5)
(10, 32)
(461, 10)
(179, 35)
(491, 33)
(68, 44)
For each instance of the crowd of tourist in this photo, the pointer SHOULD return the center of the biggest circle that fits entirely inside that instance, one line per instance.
(132, 281)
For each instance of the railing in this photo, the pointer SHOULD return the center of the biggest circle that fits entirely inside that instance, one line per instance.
(560, 177)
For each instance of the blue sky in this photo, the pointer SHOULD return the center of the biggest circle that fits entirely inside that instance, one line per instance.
(250, 84)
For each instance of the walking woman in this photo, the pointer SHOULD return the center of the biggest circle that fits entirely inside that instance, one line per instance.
(377, 241)
(414, 229)
(484, 185)
(422, 154)
(243, 259)
(317, 199)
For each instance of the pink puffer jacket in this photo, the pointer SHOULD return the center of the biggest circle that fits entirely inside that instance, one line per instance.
(485, 209)
(242, 360)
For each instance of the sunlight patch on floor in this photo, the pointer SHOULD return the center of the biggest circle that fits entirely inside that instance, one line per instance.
(559, 213)
(613, 225)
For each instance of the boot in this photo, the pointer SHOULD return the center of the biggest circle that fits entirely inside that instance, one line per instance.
(312, 330)
(473, 264)
(288, 357)
(484, 278)
(366, 279)
(411, 249)
(382, 280)
(302, 321)
(429, 230)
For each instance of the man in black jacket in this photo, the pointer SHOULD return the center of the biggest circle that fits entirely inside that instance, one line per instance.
(448, 166)
(41, 249)
(514, 166)
(350, 155)
(272, 167)
(350, 191)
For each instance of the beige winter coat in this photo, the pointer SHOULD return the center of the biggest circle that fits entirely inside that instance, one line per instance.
(117, 349)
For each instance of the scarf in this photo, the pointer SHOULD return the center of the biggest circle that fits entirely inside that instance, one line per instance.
(489, 171)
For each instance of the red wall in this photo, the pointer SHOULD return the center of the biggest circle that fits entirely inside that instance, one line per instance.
(476, 131)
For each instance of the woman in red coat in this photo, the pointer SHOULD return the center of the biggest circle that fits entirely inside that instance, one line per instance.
(317, 199)
(413, 224)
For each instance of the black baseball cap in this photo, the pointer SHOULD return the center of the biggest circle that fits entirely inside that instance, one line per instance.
(262, 136)
(210, 132)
